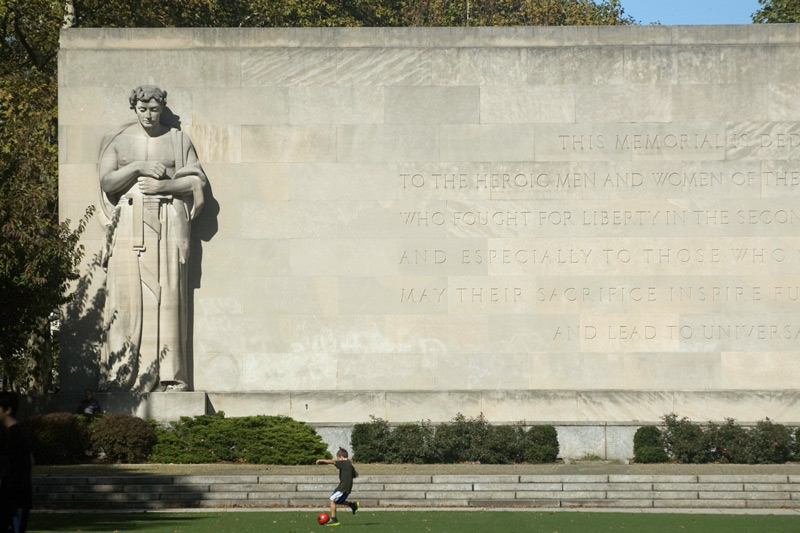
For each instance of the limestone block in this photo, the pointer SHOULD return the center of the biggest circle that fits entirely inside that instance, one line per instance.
(167, 68)
(224, 297)
(240, 106)
(713, 102)
(351, 407)
(434, 406)
(406, 371)
(235, 334)
(432, 105)
(592, 65)
(335, 333)
(479, 66)
(364, 143)
(619, 441)
(758, 370)
(650, 65)
(336, 105)
(667, 371)
(282, 371)
(481, 372)
(698, 64)
(437, 335)
(745, 64)
(288, 144)
(286, 67)
(216, 144)
(578, 441)
(384, 67)
(78, 106)
(624, 103)
(547, 65)
(342, 257)
(326, 181)
(487, 142)
(568, 370)
(424, 295)
(624, 405)
(248, 404)
(161, 406)
(290, 295)
(534, 104)
(529, 405)
(783, 101)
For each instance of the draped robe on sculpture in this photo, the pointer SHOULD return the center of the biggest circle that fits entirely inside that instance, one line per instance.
(146, 257)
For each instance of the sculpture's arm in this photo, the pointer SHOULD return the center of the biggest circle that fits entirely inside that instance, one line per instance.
(115, 179)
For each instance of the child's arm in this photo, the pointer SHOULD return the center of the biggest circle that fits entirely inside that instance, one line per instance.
(326, 462)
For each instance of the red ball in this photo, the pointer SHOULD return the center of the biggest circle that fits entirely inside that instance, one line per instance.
(323, 518)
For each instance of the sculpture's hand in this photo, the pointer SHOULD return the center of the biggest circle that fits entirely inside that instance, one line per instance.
(149, 185)
(152, 169)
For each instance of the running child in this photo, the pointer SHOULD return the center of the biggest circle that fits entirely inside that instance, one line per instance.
(346, 476)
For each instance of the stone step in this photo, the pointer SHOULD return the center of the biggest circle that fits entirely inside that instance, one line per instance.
(546, 491)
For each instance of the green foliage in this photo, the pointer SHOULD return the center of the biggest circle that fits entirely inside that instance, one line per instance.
(410, 443)
(504, 445)
(726, 443)
(648, 446)
(461, 440)
(123, 438)
(370, 441)
(57, 438)
(769, 443)
(777, 11)
(274, 440)
(650, 454)
(540, 444)
(683, 440)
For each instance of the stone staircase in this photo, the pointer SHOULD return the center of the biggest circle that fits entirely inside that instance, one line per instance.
(761, 491)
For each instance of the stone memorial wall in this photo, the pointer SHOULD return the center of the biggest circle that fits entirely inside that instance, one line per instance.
(560, 224)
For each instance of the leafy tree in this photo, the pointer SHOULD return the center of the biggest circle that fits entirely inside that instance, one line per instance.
(777, 11)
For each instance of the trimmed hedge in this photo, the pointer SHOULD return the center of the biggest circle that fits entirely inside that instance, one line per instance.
(57, 438)
(462, 440)
(276, 440)
(683, 441)
(123, 438)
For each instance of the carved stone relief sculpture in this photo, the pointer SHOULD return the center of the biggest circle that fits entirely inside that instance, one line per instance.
(151, 188)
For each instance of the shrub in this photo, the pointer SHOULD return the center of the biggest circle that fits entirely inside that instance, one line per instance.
(650, 454)
(461, 440)
(370, 441)
(769, 443)
(797, 444)
(504, 445)
(123, 438)
(648, 446)
(683, 440)
(410, 443)
(57, 438)
(275, 440)
(540, 444)
(726, 443)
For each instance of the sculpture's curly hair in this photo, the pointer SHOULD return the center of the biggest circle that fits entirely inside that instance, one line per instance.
(145, 93)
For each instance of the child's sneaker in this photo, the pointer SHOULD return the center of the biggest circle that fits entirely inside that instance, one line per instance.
(332, 522)
(354, 507)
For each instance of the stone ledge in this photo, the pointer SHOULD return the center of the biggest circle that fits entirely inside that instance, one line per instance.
(514, 37)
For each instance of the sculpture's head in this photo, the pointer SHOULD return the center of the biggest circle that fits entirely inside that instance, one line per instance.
(148, 102)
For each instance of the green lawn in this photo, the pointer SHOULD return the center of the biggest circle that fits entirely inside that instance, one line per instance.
(413, 521)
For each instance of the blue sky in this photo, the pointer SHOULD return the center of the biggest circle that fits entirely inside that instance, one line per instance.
(672, 12)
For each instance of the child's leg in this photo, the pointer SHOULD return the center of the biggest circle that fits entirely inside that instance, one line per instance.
(333, 510)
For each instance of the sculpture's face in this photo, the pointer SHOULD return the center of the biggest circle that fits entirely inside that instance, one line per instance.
(148, 113)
